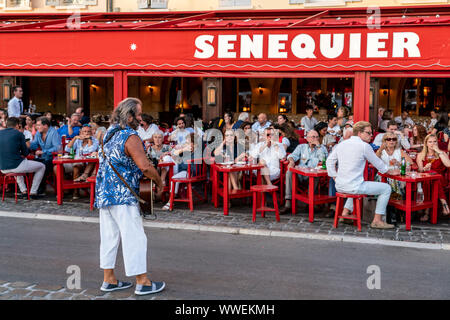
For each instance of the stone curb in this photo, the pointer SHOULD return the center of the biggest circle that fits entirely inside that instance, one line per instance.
(242, 231)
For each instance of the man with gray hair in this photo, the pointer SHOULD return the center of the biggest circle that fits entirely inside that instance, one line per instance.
(72, 128)
(243, 116)
(119, 209)
(309, 154)
(262, 123)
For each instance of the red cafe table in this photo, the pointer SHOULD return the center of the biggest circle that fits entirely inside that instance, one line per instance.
(309, 197)
(224, 192)
(408, 205)
(63, 184)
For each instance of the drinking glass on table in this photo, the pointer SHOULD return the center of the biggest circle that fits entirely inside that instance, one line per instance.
(431, 159)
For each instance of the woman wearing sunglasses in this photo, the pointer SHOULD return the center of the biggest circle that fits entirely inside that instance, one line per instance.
(391, 153)
(229, 151)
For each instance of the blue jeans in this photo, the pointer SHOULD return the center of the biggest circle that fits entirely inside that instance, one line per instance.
(380, 189)
(332, 188)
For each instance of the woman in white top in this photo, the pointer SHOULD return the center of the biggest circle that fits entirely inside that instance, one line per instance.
(391, 153)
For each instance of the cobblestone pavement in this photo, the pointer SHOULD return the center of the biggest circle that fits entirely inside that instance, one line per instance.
(33, 291)
(241, 217)
(207, 215)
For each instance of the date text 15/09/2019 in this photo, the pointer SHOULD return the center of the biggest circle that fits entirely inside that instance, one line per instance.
(227, 309)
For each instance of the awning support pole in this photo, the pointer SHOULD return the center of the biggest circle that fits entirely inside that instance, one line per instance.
(120, 86)
(361, 92)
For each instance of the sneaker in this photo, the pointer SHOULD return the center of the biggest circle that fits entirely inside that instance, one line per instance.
(154, 288)
(382, 225)
(108, 287)
(35, 196)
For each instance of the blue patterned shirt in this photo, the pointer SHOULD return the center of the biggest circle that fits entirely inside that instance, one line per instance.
(109, 189)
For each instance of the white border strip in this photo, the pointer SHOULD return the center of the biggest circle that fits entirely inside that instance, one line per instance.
(242, 231)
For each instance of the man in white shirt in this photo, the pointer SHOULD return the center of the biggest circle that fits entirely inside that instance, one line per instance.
(350, 157)
(392, 127)
(147, 128)
(15, 105)
(269, 153)
(308, 122)
(261, 124)
(403, 120)
(180, 133)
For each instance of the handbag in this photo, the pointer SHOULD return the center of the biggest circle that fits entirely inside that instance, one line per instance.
(146, 185)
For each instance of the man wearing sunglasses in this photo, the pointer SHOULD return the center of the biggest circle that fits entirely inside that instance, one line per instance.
(269, 153)
(350, 157)
(392, 127)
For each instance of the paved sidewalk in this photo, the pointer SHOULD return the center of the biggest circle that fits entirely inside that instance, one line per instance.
(32, 291)
(240, 217)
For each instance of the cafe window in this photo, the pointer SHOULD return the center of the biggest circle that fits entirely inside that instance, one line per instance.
(152, 4)
(341, 91)
(245, 95)
(307, 91)
(18, 4)
(285, 96)
(234, 3)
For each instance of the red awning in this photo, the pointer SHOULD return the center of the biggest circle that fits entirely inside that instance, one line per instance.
(255, 41)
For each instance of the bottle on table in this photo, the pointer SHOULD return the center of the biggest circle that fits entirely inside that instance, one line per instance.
(72, 153)
(420, 196)
(403, 167)
(324, 163)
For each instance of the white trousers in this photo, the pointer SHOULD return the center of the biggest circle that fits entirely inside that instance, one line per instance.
(28, 166)
(181, 174)
(123, 222)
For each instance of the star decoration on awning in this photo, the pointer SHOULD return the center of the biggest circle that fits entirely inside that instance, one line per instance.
(133, 47)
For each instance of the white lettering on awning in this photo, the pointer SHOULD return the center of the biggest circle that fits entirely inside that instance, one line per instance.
(303, 46)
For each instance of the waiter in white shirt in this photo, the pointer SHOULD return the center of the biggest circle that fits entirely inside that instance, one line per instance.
(350, 156)
(15, 105)
(308, 122)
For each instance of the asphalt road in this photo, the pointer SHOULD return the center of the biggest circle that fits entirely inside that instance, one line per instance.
(205, 265)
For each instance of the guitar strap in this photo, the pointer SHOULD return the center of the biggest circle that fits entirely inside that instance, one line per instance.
(142, 201)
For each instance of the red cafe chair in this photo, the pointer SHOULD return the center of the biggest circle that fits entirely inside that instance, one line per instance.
(92, 180)
(263, 189)
(357, 208)
(9, 178)
(197, 176)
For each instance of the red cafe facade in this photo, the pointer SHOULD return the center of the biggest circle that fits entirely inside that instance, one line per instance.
(97, 59)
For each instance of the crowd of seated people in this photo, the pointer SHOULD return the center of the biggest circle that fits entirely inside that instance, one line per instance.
(234, 139)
